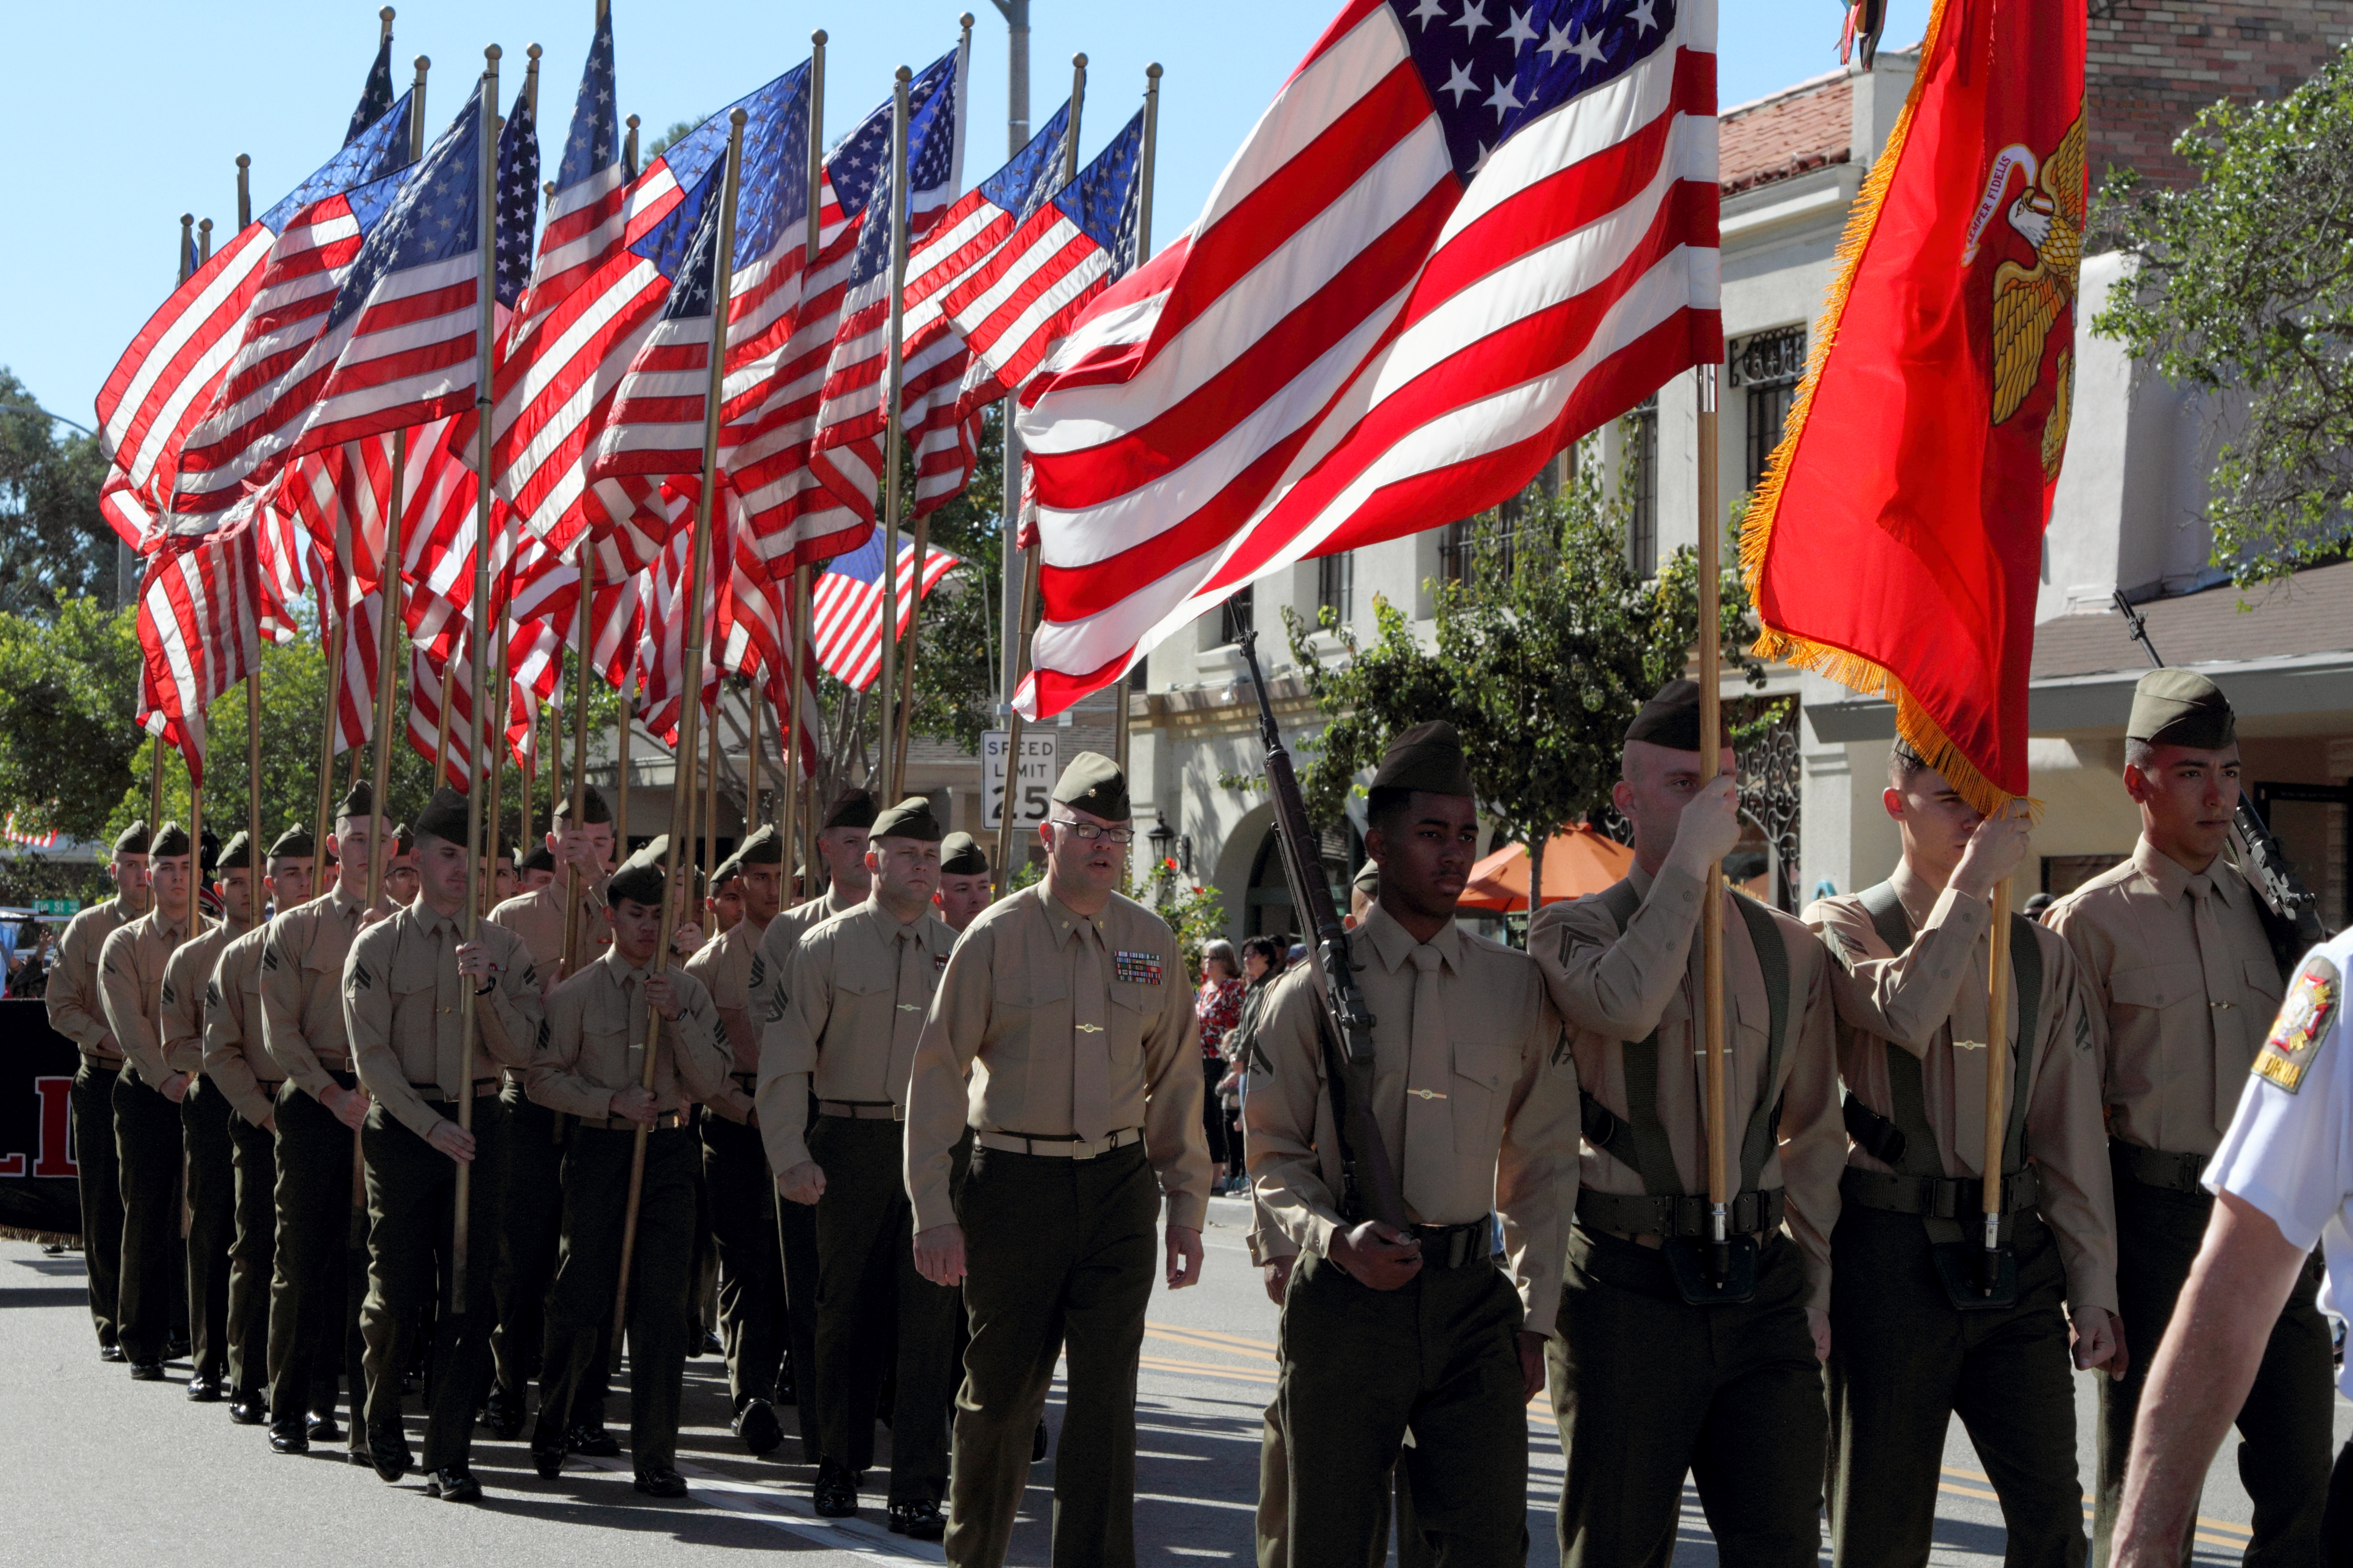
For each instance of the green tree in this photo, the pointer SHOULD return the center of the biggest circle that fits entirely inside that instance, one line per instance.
(54, 546)
(1541, 657)
(2245, 287)
(68, 686)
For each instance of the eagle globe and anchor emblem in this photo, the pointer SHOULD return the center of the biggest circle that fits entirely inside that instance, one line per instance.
(2048, 214)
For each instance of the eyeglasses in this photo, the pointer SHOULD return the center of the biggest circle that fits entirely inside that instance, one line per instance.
(1088, 832)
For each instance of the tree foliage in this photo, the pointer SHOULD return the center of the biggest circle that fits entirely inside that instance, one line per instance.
(68, 685)
(1541, 658)
(54, 546)
(2245, 287)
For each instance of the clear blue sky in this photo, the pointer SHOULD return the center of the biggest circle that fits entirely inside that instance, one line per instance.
(120, 116)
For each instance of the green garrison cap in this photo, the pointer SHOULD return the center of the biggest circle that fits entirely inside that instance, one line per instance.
(1671, 718)
(237, 854)
(170, 840)
(1094, 785)
(911, 818)
(1368, 880)
(2182, 708)
(641, 878)
(403, 841)
(541, 859)
(729, 870)
(133, 840)
(208, 850)
(855, 808)
(594, 809)
(764, 848)
(358, 802)
(444, 816)
(1426, 757)
(294, 844)
(961, 855)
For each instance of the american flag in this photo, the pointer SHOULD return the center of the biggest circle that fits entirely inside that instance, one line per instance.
(1456, 242)
(375, 98)
(589, 211)
(846, 449)
(197, 632)
(170, 377)
(655, 427)
(845, 606)
(983, 219)
(1014, 306)
(16, 834)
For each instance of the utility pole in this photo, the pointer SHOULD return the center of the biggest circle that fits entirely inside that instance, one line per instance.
(1016, 136)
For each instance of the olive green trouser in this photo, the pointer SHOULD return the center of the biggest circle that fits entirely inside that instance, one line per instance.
(205, 1115)
(867, 1284)
(529, 1222)
(797, 1247)
(1647, 1388)
(412, 1191)
(318, 1277)
(588, 1272)
(1904, 1362)
(1358, 1368)
(254, 1163)
(99, 1178)
(2285, 1426)
(743, 1198)
(1058, 1257)
(147, 1148)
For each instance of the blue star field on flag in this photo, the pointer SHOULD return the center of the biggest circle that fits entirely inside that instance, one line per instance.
(771, 198)
(1491, 67)
(595, 142)
(1106, 200)
(380, 151)
(1022, 186)
(431, 219)
(931, 154)
(517, 217)
(376, 99)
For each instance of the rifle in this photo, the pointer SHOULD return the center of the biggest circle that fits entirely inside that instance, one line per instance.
(1342, 1017)
(2295, 925)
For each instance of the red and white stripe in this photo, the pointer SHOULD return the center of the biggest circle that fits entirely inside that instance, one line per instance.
(1351, 345)
(845, 614)
(198, 635)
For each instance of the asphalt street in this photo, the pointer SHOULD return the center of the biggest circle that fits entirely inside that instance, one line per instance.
(95, 1469)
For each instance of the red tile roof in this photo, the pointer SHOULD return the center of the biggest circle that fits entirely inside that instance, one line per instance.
(1776, 138)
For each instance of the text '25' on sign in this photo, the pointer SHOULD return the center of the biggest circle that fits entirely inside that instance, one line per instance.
(1033, 783)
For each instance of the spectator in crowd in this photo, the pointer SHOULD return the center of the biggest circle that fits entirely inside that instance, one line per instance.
(1216, 1007)
(1262, 959)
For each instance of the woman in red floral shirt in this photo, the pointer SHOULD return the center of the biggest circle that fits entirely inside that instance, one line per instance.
(1217, 1006)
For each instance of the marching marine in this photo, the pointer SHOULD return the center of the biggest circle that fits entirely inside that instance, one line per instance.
(855, 995)
(2173, 945)
(403, 981)
(964, 881)
(592, 1064)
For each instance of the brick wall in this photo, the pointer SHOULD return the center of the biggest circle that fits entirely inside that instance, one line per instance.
(2154, 64)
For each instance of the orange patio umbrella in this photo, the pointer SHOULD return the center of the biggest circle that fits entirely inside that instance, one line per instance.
(1577, 862)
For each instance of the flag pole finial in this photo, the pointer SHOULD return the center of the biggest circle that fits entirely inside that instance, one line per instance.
(244, 190)
(493, 53)
(384, 16)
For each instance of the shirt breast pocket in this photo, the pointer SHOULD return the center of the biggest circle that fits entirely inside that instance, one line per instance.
(1134, 1012)
(606, 1049)
(2264, 981)
(1485, 1073)
(1031, 1002)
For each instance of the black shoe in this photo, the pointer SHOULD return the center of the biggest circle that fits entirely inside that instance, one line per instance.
(757, 1425)
(454, 1483)
(175, 1345)
(388, 1452)
(547, 1453)
(711, 1345)
(111, 1353)
(502, 1415)
(147, 1372)
(286, 1438)
(360, 1456)
(52, 1249)
(593, 1441)
(1038, 1443)
(321, 1427)
(205, 1390)
(922, 1520)
(250, 1409)
(661, 1481)
(836, 1492)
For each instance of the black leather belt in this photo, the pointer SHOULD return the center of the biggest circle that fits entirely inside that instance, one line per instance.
(667, 1122)
(2157, 1167)
(1678, 1214)
(1936, 1197)
(430, 1093)
(102, 1063)
(862, 1110)
(1457, 1246)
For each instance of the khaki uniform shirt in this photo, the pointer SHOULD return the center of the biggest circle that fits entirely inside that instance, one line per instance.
(1474, 1091)
(724, 964)
(233, 1056)
(401, 1005)
(1046, 1019)
(596, 1043)
(2179, 965)
(302, 988)
(1885, 1001)
(538, 917)
(131, 983)
(1613, 988)
(72, 999)
(186, 978)
(775, 953)
(855, 999)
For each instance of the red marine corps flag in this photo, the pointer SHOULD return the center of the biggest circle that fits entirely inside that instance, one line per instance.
(1896, 544)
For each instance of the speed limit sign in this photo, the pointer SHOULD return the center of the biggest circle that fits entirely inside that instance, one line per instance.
(1033, 779)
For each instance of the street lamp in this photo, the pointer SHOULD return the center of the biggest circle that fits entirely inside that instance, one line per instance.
(1161, 836)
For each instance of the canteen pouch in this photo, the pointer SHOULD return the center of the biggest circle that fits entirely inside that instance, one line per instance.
(1961, 1269)
(1701, 1284)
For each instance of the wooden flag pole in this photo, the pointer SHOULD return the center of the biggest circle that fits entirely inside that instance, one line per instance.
(485, 311)
(187, 245)
(244, 191)
(886, 690)
(628, 725)
(253, 777)
(491, 722)
(1997, 1070)
(756, 761)
(387, 672)
(583, 661)
(441, 730)
(1008, 808)
(788, 744)
(1121, 720)
(528, 806)
(690, 708)
(1711, 741)
(204, 242)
